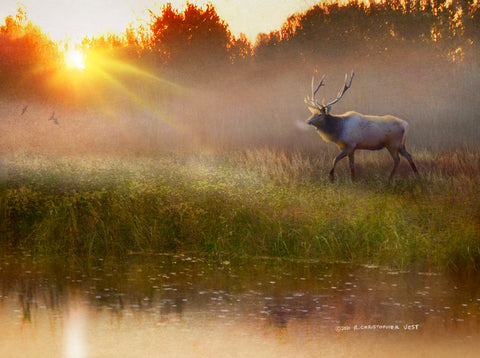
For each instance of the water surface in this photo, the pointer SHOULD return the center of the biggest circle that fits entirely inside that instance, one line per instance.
(180, 306)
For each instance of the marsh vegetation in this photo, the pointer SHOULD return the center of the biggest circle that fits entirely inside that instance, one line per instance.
(245, 204)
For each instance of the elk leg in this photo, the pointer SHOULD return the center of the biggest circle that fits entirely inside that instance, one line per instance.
(352, 168)
(396, 160)
(339, 157)
(407, 156)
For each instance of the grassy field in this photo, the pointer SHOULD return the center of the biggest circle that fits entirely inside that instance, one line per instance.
(246, 203)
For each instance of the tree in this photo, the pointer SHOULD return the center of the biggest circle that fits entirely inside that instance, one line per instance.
(240, 49)
(26, 53)
(196, 38)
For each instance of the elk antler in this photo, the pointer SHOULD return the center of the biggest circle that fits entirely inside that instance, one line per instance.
(312, 102)
(345, 88)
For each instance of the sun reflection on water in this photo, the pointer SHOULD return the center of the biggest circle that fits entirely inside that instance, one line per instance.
(75, 342)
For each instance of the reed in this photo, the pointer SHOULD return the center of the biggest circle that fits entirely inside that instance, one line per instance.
(246, 203)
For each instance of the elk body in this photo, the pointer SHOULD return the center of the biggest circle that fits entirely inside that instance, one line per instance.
(351, 131)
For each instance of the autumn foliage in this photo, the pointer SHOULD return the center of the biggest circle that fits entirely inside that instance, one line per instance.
(27, 55)
(197, 39)
(448, 29)
(192, 38)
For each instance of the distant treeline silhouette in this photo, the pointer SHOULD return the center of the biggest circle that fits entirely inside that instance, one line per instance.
(449, 28)
(27, 55)
(197, 39)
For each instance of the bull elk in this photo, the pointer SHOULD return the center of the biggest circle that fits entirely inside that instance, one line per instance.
(351, 131)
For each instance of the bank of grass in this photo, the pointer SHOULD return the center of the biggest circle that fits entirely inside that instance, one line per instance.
(257, 203)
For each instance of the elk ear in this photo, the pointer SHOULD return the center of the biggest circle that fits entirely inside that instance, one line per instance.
(313, 110)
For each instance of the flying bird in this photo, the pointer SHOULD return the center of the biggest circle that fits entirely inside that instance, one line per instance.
(24, 109)
(52, 118)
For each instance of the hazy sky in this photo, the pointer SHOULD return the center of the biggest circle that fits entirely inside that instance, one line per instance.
(75, 19)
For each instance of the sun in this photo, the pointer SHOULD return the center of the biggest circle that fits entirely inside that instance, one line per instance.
(75, 59)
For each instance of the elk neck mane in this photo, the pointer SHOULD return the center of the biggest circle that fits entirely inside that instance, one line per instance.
(331, 127)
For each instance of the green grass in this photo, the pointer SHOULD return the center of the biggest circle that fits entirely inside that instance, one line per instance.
(258, 203)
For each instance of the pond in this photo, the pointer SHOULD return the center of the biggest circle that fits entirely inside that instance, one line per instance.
(181, 306)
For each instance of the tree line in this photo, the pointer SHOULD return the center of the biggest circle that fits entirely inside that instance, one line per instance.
(450, 29)
(27, 55)
(197, 38)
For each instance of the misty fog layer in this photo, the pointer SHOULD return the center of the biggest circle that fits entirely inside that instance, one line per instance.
(182, 85)
(258, 109)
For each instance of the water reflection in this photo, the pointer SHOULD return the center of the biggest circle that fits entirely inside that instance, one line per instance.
(181, 306)
(75, 344)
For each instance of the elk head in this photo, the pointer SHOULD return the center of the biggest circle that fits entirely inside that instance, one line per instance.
(320, 110)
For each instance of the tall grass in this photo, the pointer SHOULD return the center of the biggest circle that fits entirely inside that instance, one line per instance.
(248, 203)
